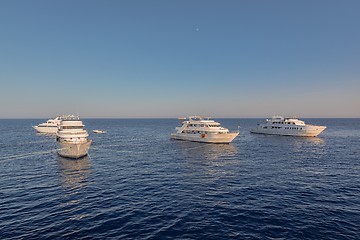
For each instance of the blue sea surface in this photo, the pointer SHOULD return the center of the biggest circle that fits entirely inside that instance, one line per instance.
(137, 183)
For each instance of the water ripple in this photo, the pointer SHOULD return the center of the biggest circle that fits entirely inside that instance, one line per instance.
(146, 186)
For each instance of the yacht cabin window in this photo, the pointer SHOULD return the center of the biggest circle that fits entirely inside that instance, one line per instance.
(72, 127)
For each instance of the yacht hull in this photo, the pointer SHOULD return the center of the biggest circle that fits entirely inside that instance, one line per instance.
(308, 131)
(205, 138)
(51, 130)
(74, 150)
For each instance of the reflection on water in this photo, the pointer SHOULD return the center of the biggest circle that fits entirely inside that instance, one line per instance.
(313, 145)
(74, 173)
(205, 150)
(74, 178)
(316, 141)
(291, 143)
(211, 161)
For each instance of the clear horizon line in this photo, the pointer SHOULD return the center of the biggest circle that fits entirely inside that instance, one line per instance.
(29, 118)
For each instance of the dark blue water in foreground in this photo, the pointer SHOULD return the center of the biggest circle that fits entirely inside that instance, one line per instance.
(139, 184)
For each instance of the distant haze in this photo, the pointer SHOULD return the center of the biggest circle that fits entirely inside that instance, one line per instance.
(178, 58)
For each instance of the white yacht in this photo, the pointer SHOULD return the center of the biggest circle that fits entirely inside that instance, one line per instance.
(279, 125)
(198, 129)
(50, 126)
(99, 131)
(72, 138)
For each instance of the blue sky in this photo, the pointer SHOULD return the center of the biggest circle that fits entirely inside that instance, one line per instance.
(178, 58)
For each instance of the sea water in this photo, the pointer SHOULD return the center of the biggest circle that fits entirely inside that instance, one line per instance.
(137, 183)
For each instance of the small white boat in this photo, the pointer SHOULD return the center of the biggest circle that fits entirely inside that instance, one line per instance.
(198, 129)
(279, 125)
(99, 131)
(72, 138)
(50, 126)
